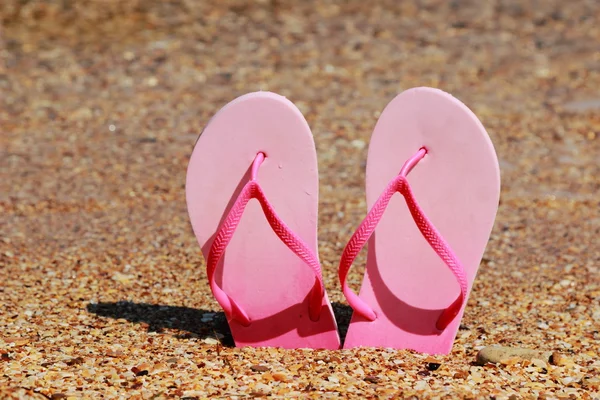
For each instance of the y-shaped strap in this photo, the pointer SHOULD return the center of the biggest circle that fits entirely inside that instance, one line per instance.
(436, 241)
(252, 190)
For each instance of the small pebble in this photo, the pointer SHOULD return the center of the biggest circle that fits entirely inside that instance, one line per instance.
(559, 359)
(433, 364)
(280, 377)
(497, 354)
(372, 379)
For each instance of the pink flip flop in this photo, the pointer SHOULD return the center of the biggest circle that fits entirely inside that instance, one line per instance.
(264, 272)
(426, 243)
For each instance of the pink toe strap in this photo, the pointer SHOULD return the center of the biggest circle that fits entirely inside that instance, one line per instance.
(252, 190)
(436, 241)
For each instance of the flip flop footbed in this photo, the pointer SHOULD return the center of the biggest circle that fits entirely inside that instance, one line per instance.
(457, 184)
(257, 270)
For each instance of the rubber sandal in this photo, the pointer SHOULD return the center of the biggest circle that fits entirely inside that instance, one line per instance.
(425, 244)
(264, 272)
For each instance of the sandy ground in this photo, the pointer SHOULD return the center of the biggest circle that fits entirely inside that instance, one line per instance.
(103, 291)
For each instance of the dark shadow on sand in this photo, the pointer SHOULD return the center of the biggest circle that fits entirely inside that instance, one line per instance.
(189, 320)
(161, 317)
(343, 315)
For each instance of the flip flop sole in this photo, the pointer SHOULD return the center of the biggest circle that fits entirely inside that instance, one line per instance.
(457, 184)
(257, 270)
